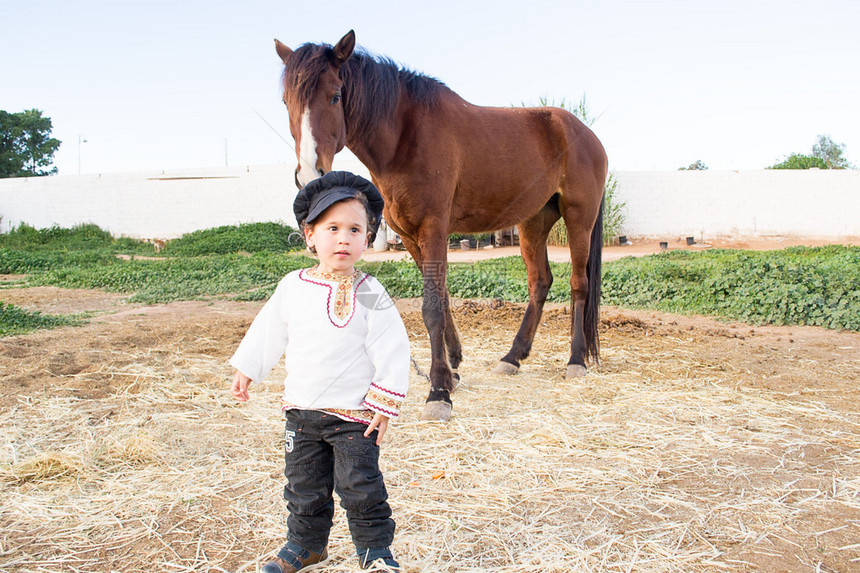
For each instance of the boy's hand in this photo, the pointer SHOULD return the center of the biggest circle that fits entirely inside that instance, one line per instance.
(380, 424)
(239, 389)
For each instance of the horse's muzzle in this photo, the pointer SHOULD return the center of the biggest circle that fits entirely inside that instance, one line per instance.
(320, 173)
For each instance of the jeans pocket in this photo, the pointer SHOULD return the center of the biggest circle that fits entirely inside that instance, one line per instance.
(358, 446)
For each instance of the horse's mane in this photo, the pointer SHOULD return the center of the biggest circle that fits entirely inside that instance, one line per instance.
(371, 84)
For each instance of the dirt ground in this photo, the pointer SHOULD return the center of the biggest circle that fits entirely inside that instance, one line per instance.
(695, 445)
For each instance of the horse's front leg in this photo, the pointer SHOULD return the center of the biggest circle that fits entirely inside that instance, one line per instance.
(452, 340)
(436, 313)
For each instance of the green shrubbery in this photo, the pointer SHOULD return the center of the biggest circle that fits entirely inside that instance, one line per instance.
(799, 285)
(79, 238)
(249, 238)
(814, 286)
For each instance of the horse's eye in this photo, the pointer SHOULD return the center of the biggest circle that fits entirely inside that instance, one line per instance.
(335, 99)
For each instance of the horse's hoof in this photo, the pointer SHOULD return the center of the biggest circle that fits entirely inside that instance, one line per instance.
(437, 411)
(506, 368)
(576, 371)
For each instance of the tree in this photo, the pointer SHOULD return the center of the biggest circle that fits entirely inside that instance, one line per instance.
(825, 155)
(830, 153)
(699, 165)
(26, 146)
(799, 161)
(11, 162)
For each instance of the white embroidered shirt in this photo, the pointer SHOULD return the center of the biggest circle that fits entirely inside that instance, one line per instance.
(347, 351)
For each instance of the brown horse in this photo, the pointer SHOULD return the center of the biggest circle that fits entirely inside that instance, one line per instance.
(446, 166)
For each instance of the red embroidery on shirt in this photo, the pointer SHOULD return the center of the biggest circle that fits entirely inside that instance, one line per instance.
(305, 276)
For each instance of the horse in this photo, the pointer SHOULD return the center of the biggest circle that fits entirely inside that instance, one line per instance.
(443, 166)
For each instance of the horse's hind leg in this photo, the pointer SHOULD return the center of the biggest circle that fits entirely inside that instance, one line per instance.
(585, 239)
(533, 235)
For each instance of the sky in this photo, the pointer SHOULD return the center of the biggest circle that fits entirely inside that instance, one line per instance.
(158, 85)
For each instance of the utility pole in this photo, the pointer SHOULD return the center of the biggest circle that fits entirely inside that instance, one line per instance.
(80, 141)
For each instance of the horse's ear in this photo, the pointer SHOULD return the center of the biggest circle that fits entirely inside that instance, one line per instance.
(343, 49)
(283, 51)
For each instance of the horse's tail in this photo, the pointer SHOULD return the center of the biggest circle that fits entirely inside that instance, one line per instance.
(592, 303)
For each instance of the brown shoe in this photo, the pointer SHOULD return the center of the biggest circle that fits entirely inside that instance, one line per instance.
(292, 558)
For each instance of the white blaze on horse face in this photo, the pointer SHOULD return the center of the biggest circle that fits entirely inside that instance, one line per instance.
(307, 152)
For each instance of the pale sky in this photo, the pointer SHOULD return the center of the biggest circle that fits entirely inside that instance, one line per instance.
(169, 85)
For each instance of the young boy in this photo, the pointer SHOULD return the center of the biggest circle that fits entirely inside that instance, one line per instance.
(347, 361)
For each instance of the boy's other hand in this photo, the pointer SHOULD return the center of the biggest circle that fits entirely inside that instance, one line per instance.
(380, 424)
(239, 389)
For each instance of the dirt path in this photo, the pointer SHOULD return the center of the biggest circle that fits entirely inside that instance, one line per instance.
(695, 445)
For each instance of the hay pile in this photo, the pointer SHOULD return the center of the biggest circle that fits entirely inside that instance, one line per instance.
(684, 451)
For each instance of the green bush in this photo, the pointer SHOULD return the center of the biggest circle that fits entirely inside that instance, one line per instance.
(79, 237)
(807, 286)
(799, 161)
(249, 238)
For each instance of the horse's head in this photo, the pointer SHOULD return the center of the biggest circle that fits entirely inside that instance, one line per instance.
(314, 99)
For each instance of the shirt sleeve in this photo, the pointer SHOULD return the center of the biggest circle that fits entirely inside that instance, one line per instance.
(266, 340)
(388, 347)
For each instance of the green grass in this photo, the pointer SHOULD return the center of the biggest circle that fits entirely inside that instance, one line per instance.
(159, 281)
(807, 286)
(799, 285)
(15, 320)
(503, 278)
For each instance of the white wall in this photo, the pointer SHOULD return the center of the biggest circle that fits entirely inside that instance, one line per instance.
(150, 205)
(703, 204)
(809, 203)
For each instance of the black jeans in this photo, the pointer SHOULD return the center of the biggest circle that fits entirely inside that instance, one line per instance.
(325, 453)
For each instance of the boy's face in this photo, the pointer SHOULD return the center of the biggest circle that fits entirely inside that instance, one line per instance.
(339, 236)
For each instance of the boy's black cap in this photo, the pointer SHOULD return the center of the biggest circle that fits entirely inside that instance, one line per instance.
(334, 186)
